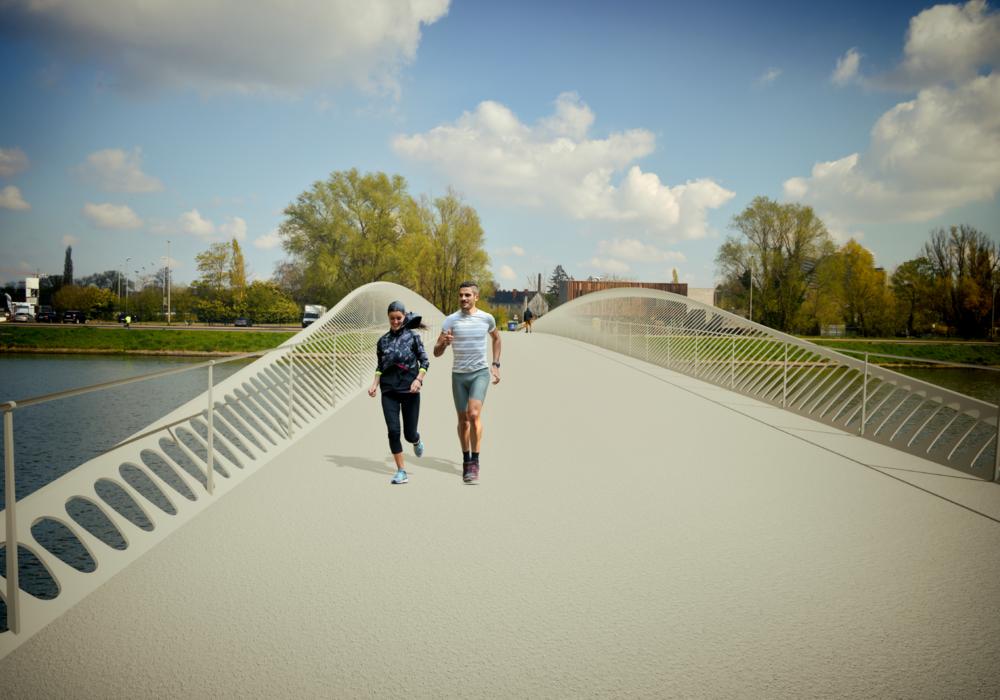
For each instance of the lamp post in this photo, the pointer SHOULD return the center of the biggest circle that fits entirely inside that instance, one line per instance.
(751, 291)
(168, 282)
(127, 260)
(993, 309)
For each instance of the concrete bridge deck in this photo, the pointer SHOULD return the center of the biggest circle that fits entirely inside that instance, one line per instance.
(636, 532)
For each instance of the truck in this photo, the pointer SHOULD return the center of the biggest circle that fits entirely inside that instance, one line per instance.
(24, 312)
(312, 312)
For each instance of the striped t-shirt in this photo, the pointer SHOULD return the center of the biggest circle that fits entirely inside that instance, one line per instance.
(469, 343)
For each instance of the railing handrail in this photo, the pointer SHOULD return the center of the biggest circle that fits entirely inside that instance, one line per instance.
(90, 388)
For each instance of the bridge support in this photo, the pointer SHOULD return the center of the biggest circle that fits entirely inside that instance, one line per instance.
(10, 506)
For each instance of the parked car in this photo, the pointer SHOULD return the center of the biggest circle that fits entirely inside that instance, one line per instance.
(243, 322)
(74, 317)
(46, 314)
(23, 317)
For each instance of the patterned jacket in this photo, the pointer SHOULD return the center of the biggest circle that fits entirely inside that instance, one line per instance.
(401, 356)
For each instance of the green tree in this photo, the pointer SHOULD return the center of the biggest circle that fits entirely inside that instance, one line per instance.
(346, 231)
(237, 275)
(445, 248)
(94, 302)
(913, 285)
(267, 303)
(965, 264)
(214, 265)
(558, 276)
(781, 246)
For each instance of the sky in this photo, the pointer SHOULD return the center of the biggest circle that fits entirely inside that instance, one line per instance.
(612, 138)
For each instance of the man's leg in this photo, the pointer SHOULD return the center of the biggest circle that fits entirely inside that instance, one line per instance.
(472, 414)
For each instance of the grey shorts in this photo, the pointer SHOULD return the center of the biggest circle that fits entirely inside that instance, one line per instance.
(469, 385)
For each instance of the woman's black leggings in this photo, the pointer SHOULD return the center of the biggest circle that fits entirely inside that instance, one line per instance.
(394, 402)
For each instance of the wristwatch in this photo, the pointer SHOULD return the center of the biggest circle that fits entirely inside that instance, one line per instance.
(497, 365)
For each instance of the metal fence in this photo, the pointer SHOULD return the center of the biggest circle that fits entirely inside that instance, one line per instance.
(76, 532)
(727, 350)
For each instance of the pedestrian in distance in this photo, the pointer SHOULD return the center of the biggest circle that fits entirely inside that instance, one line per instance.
(402, 366)
(465, 331)
(529, 316)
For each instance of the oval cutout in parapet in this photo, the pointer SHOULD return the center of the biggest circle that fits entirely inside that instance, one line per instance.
(33, 577)
(159, 466)
(91, 518)
(180, 457)
(116, 497)
(202, 429)
(192, 443)
(138, 479)
(63, 543)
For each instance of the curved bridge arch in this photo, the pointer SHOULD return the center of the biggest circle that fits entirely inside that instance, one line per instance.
(161, 477)
(716, 346)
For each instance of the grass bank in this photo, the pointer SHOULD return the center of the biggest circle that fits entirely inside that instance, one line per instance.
(964, 352)
(38, 338)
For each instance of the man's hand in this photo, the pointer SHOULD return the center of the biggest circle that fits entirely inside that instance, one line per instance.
(443, 341)
(495, 371)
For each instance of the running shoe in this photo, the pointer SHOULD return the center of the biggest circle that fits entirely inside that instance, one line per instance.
(472, 473)
(467, 472)
(418, 448)
(400, 477)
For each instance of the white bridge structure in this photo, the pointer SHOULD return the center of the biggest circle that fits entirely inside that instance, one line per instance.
(675, 501)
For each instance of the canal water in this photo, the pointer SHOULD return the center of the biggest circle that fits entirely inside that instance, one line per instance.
(52, 438)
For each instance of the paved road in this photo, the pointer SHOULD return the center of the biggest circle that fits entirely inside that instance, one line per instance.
(636, 533)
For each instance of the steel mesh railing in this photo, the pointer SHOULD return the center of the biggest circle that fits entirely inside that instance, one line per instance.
(110, 510)
(727, 350)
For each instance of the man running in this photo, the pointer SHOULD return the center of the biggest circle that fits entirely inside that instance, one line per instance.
(466, 331)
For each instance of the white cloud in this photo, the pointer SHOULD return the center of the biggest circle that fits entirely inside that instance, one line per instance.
(115, 170)
(10, 198)
(637, 251)
(224, 45)
(949, 43)
(938, 151)
(234, 228)
(116, 216)
(608, 265)
(70, 240)
(553, 163)
(194, 223)
(268, 240)
(12, 161)
(769, 76)
(847, 68)
(506, 273)
(935, 152)
(517, 250)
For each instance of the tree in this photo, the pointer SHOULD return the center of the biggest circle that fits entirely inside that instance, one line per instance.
(782, 246)
(67, 277)
(446, 248)
(214, 265)
(913, 286)
(965, 264)
(347, 231)
(102, 280)
(558, 276)
(674, 277)
(238, 276)
(267, 303)
(96, 303)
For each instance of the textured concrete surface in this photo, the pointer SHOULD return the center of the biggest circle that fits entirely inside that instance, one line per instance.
(636, 533)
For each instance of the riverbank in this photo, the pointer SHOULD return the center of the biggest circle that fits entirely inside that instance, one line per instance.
(964, 352)
(135, 341)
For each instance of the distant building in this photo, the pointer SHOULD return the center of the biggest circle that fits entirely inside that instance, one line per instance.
(571, 289)
(515, 301)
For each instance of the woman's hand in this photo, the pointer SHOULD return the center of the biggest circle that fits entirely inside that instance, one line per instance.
(415, 386)
(372, 389)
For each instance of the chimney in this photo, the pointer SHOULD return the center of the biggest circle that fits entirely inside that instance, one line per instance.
(539, 282)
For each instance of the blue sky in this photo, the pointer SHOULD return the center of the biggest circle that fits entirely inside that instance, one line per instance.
(611, 138)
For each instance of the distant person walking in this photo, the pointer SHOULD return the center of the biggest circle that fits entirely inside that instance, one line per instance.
(466, 331)
(402, 365)
(529, 316)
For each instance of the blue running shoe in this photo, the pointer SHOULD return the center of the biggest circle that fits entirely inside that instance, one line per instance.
(400, 477)
(418, 448)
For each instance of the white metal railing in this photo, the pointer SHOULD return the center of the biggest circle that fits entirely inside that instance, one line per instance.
(728, 350)
(117, 506)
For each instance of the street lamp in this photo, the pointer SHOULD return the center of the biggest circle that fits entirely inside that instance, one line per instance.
(168, 282)
(993, 310)
(127, 260)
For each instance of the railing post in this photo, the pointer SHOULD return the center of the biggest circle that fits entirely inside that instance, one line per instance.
(333, 367)
(732, 362)
(10, 505)
(864, 398)
(784, 378)
(210, 477)
(291, 390)
(996, 452)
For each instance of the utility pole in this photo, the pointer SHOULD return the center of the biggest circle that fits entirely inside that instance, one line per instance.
(751, 291)
(127, 261)
(168, 282)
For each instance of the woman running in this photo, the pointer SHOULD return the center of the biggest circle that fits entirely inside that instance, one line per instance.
(402, 364)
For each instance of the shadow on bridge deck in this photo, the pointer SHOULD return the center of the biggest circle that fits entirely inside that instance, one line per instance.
(636, 532)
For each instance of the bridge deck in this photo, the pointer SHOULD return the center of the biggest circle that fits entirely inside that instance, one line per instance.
(636, 532)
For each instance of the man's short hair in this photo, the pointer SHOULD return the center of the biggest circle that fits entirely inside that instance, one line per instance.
(468, 283)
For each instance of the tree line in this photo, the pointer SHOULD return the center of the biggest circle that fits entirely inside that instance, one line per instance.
(800, 281)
